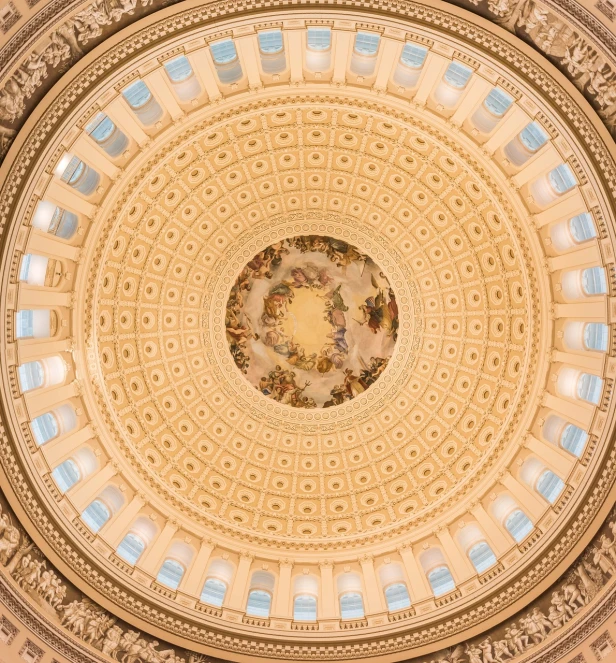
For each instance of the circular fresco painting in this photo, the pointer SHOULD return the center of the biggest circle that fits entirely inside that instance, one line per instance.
(311, 321)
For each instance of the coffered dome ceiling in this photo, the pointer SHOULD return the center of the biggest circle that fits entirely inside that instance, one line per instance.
(310, 311)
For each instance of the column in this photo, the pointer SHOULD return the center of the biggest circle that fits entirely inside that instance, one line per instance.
(47, 243)
(283, 603)
(31, 296)
(576, 413)
(541, 165)
(533, 505)
(374, 595)
(248, 52)
(477, 91)
(85, 148)
(559, 460)
(152, 558)
(584, 310)
(328, 605)
(496, 537)
(88, 489)
(163, 93)
(459, 564)
(562, 210)
(113, 530)
(419, 588)
(59, 449)
(192, 582)
(389, 56)
(205, 70)
(67, 198)
(433, 70)
(124, 118)
(296, 52)
(517, 119)
(240, 582)
(45, 401)
(342, 45)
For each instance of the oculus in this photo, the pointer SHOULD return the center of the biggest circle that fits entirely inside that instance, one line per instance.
(311, 321)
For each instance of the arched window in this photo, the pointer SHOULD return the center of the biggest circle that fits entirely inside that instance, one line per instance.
(550, 486)
(596, 336)
(142, 102)
(183, 79)
(131, 547)
(170, 573)
(441, 580)
(95, 515)
(271, 45)
(78, 175)
(227, 63)
(481, 556)
(178, 69)
(31, 375)
(214, 592)
(37, 323)
(54, 220)
(593, 281)
(367, 43)
(458, 75)
(582, 228)
(319, 39)
(497, 102)
(562, 178)
(44, 428)
(351, 605)
(318, 52)
(397, 596)
(411, 63)
(259, 603)
(589, 388)
(518, 525)
(573, 439)
(533, 137)
(66, 475)
(305, 608)
(104, 132)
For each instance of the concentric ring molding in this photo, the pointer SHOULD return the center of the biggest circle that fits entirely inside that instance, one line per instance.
(584, 490)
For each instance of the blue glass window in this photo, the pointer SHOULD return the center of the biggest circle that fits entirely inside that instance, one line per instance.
(137, 95)
(214, 591)
(550, 486)
(131, 547)
(259, 603)
(533, 137)
(458, 75)
(44, 428)
(178, 69)
(596, 336)
(367, 43)
(573, 439)
(441, 580)
(170, 573)
(413, 56)
(223, 52)
(397, 596)
(319, 39)
(481, 556)
(498, 102)
(589, 388)
(271, 41)
(305, 608)
(351, 606)
(593, 281)
(25, 267)
(561, 178)
(95, 515)
(31, 375)
(518, 525)
(24, 322)
(582, 227)
(100, 128)
(73, 171)
(66, 475)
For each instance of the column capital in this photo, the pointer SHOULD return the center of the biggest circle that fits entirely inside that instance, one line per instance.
(286, 563)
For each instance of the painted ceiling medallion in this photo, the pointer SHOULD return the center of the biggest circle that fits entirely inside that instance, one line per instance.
(311, 321)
